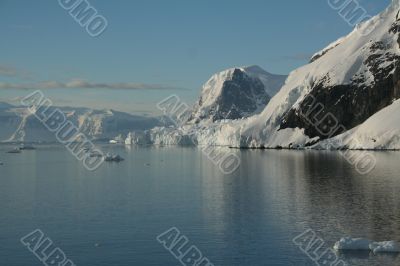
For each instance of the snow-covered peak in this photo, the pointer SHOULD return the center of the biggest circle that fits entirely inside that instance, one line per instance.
(395, 4)
(272, 82)
(236, 93)
(373, 28)
(341, 65)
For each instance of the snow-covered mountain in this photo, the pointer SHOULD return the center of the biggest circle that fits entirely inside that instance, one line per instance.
(235, 93)
(18, 124)
(346, 89)
(231, 95)
(349, 81)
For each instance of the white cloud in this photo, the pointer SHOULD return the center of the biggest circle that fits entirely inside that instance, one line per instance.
(83, 84)
(8, 71)
(12, 72)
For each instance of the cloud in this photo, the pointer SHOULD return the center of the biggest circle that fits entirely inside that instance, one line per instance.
(8, 71)
(12, 72)
(83, 84)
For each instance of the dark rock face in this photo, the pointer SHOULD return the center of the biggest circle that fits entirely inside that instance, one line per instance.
(347, 106)
(241, 97)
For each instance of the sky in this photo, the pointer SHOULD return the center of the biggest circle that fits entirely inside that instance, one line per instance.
(155, 48)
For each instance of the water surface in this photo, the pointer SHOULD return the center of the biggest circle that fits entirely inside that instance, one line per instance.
(112, 216)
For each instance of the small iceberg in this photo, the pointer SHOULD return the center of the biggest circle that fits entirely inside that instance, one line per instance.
(113, 158)
(361, 244)
(385, 247)
(348, 243)
(117, 140)
(129, 139)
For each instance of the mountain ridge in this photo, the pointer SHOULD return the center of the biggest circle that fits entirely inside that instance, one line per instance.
(19, 125)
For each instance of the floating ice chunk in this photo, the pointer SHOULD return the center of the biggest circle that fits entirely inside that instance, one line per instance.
(348, 243)
(113, 158)
(385, 247)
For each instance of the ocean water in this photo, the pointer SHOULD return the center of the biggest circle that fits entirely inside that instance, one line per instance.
(112, 217)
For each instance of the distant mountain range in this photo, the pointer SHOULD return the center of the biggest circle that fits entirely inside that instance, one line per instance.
(19, 125)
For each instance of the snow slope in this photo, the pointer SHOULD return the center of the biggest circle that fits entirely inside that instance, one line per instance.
(272, 82)
(380, 131)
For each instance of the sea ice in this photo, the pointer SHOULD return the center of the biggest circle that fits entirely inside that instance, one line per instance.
(385, 247)
(348, 243)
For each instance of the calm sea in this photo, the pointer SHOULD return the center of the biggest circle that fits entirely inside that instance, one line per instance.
(112, 217)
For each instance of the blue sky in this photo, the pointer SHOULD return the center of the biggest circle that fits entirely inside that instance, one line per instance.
(167, 47)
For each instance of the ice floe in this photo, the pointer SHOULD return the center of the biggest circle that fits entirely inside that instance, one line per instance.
(362, 244)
